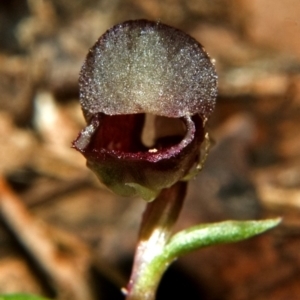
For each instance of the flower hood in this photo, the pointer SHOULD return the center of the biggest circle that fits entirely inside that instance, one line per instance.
(136, 72)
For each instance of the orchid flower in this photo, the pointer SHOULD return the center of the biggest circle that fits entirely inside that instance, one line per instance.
(146, 91)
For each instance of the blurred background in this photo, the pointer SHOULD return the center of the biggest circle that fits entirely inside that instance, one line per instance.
(62, 235)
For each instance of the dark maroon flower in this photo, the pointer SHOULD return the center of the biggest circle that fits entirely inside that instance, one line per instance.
(144, 74)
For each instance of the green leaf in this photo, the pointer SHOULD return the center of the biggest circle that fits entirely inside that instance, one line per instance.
(21, 297)
(205, 235)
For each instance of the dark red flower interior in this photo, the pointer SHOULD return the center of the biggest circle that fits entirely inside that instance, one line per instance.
(124, 133)
(137, 155)
(119, 133)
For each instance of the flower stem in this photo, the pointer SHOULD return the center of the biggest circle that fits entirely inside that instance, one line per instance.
(155, 232)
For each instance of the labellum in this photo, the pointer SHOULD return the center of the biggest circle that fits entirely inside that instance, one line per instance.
(146, 90)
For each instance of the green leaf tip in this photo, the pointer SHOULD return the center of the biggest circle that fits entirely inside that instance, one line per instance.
(21, 297)
(205, 235)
